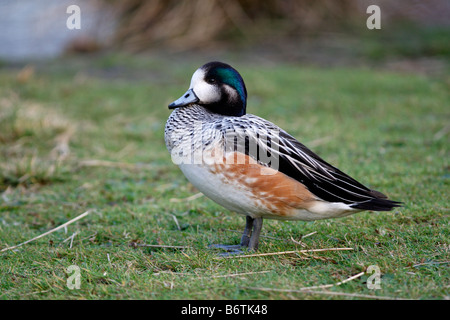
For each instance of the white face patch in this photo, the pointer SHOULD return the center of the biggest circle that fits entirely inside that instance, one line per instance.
(206, 92)
(231, 92)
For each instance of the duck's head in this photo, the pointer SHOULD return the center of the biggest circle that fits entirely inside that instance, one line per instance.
(218, 87)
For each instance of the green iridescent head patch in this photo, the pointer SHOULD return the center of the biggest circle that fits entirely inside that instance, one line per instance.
(232, 78)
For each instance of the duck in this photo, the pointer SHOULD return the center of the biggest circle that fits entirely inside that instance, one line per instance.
(251, 166)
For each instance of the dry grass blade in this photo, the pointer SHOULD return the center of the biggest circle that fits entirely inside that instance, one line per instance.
(355, 295)
(278, 239)
(134, 244)
(431, 263)
(193, 197)
(311, 290)
(334, 284)
(356, 276)
(238, 274)
(298, 242)
(212, 276)
(70, 238)
(309, 234)
(112, 164)
(49, 232)
(176, 222)
(285, 252)
(331, 293)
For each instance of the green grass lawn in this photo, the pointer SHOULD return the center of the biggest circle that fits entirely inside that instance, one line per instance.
(78, 135)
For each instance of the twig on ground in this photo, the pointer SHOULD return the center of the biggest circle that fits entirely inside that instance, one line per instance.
(332, 293)
(134, 244)
(275, 238)
(237, 274)
(311, 290)
(212, 276)
(69, 238)
(313, 287)
(298, 242)
(48, 232)
(112, 164)
(193, 197)
(309, 234)
(285, 252)
(430, 263)
(334, 284)
(91, 237)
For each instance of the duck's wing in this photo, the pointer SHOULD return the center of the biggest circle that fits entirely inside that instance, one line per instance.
(281, 151)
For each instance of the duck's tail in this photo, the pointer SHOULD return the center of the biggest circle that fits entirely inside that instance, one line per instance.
(379, 202)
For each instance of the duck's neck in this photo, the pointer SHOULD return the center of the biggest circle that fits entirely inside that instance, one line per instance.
(193, 113)
(185, 123)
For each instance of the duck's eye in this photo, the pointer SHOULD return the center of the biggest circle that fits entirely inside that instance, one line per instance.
(211, 80)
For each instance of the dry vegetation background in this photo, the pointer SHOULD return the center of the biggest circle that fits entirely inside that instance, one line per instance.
(194, 23)
(199, 22)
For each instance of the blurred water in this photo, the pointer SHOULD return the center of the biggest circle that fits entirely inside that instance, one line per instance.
(31, 29)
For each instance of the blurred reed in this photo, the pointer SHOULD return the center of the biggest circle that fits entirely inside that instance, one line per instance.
(193, 23)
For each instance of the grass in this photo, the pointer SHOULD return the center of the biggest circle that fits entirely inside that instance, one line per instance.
(78, 135)
(426, 42)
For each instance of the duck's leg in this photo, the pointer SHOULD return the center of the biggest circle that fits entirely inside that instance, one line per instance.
(247, 231)
(254, 239)
(245, 239)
